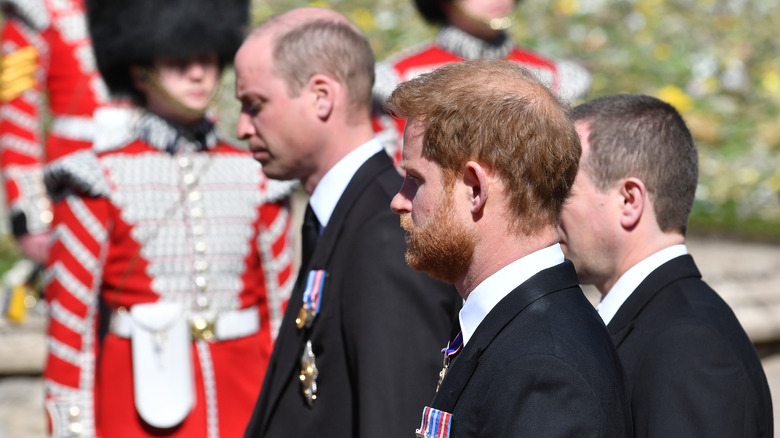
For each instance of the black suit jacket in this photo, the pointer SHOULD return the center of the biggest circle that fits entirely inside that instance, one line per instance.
(692, 370)
(379, 333)
(541, 364)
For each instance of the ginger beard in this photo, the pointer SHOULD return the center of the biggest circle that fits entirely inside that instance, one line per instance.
(442, 247)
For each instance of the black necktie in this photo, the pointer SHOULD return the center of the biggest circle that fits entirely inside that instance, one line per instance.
(310, 232)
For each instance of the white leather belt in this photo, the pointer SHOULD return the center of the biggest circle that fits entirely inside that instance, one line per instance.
(231, 324)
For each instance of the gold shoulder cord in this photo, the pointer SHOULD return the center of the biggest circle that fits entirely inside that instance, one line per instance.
(17, 73)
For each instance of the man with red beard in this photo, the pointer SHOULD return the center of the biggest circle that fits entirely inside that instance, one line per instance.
(480, 202)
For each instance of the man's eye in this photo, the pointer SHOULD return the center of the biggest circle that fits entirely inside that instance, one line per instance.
(253, 109)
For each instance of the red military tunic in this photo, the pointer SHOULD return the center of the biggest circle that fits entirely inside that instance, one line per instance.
(163, 218)
(566, 79)
(48, 77)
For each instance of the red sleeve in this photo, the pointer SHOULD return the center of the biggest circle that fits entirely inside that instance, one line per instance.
(73, 278)
(22, 78)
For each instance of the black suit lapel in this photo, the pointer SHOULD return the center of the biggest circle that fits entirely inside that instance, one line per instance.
(622, 323)
(289, 345)
(545, 282)
(366, 174)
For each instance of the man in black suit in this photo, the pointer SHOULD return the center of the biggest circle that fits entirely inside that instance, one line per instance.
(357, 352)
(490, 155)
(691, 369)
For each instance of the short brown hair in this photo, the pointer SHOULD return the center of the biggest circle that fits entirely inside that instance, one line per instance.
(643, 137)
(328, 47)
(496, 113)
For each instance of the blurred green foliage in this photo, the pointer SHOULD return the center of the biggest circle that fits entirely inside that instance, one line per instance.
(716, 61)
(9, 252)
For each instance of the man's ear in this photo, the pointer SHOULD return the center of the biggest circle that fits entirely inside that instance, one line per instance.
(476, 179)
(323, 90)
(634, 196)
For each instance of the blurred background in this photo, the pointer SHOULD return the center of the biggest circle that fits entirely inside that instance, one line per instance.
(716, 61)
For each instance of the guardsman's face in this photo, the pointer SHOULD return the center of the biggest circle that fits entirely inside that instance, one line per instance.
(181, 90)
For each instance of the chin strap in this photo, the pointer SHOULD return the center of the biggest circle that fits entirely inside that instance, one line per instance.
(500, 23)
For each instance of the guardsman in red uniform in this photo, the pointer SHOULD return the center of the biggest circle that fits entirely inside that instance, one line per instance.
(178, 233)
(47, 77)
(469, 29)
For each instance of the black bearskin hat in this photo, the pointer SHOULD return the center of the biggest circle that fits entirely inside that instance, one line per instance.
(432, 12)
(135, 32)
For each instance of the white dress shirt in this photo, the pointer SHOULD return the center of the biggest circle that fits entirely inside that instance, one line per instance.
(330, 188)
(494, 288)
(630, 280)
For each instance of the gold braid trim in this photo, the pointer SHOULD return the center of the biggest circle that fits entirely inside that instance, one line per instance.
(17, 73)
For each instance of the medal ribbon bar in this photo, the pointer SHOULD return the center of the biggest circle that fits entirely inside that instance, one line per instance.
(435, 424)
(312, 298)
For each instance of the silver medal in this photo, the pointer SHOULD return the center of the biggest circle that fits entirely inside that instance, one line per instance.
(309, 374)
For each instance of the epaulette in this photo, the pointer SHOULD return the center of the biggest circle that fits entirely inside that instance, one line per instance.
(575, 81)
(79, 172)
(277, 190)
(386, 77)
(32, 12)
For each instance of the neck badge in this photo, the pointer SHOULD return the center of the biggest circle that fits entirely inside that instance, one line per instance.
(309, 374)
(449, 351)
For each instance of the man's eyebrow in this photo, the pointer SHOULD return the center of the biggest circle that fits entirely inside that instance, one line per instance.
(405, 166)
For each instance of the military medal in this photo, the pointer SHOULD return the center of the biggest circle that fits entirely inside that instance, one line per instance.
(305, 317)
(310, 315)
(309, 373)
(435, 424)
(300, 321)
(443, 372)
(312, 297)
(450, 350)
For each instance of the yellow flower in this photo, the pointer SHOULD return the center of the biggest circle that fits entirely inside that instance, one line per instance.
(319, 4)
(748, 176)
(675, 97)
(648, 7)
(770, 81)
(662, 52)
(363, 18)
(774, 182)
(566, 7)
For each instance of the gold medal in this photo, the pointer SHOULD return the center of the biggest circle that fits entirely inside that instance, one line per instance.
(302, 318)
(443, 373)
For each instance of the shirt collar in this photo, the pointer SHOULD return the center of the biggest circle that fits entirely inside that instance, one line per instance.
(494, 288)
(330, 188)
(630, 280)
